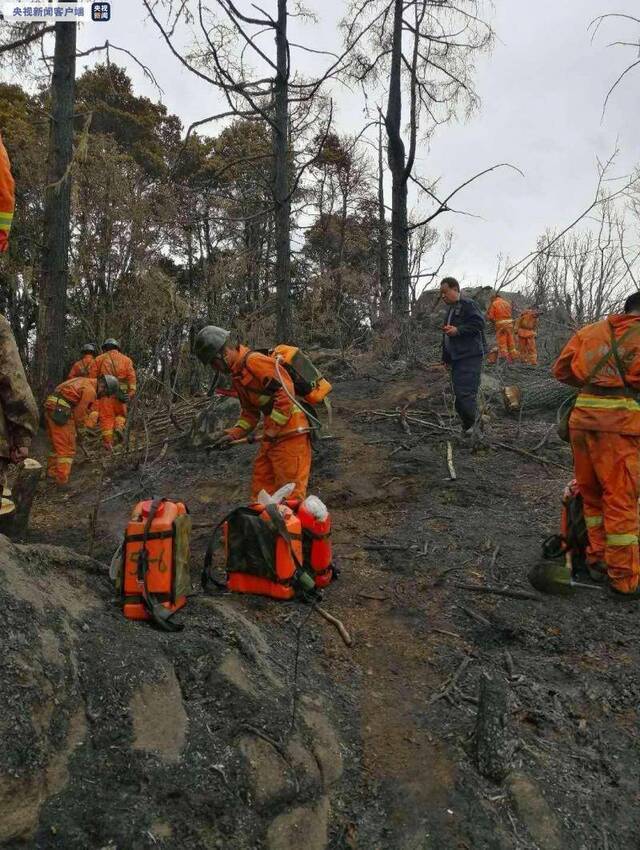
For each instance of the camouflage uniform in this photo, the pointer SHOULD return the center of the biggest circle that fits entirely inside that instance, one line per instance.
(19, 418)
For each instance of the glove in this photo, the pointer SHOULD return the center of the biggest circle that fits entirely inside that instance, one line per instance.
(4, 241)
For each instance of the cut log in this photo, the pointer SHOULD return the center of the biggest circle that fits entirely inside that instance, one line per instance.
(24, 491)
(493, 743)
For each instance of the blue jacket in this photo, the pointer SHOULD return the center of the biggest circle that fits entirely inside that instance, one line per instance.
(470, 340)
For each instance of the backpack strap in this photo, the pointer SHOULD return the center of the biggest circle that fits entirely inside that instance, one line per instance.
(206, 577)
(158, 613)
(280, 527)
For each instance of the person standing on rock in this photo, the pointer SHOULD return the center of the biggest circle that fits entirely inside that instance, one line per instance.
(263, 389)
(463, 349)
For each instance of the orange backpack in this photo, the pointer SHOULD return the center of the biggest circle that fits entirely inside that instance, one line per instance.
(154, 577)
(317, 554)
(263, 553)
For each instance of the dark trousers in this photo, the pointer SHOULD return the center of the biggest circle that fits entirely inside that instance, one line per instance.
(465, 377)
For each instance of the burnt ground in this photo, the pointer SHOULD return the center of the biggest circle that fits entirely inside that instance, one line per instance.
(405, 726)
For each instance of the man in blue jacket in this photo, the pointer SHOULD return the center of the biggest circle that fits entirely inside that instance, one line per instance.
(463, 349)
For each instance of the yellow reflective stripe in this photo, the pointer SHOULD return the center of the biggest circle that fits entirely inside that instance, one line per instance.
(622, 539)
(499, 322)
(592, 521)
(65, 461)
(54, 399)
(242, 423)
(279, 418)
(6, 220)
(602, 403)
(264, 399)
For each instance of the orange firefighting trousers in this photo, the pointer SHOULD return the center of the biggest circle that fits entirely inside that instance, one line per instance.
(506, 340)
(112, 416)
(280, 463)
(607, 470)
(528, 350)
(63, 444)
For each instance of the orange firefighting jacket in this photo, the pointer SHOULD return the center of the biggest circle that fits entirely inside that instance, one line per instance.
(260, 391)
(527, 324)
(499, 312)
(7, 197)
(118, 364)
(606, 401)
(78, 393)
(86, 367)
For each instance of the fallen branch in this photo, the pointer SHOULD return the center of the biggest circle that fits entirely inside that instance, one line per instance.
(475, 616)
(452, 682)
(513, 593)
(455, 436)
(452, 469)
(344, 634)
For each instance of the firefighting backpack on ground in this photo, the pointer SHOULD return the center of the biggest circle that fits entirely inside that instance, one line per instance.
(263, 553)
(153, 579)
(573, 530)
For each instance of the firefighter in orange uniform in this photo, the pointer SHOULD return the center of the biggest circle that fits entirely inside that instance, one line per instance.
(65, 411)
(526, 331)
(262, 388)
(603, 360)
(7, 199)
(112, 410)
(499, 313)
(86, 367)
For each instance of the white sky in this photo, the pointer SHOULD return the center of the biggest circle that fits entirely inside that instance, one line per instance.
(542, 91)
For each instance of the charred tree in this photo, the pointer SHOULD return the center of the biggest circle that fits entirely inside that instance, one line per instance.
(281, 191)
(54, 274)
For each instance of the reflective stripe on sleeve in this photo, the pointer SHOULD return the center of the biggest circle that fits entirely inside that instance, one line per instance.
(242, 423)
(279, 418)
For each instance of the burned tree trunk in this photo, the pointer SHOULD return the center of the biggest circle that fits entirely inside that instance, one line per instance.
(52, 295)
(383, 248)
(492, 744)
(397, 164)
(281, 188)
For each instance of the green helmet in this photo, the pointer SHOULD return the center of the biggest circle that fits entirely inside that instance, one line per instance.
(110, 343)
(89, 348)
(210, 342)
(111, 384)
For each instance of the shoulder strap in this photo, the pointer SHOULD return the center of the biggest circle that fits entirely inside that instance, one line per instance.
(611, 351)
(616, 353)
(159, 614)
(206, 577)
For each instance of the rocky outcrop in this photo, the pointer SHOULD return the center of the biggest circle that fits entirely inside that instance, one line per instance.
(115, 735)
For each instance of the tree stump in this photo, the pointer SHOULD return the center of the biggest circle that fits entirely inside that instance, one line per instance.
(493, 744)
(23, 493)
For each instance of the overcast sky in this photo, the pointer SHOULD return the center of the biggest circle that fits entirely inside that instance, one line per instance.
(542, 91)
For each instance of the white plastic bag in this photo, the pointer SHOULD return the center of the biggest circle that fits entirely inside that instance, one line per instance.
(279, 496)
